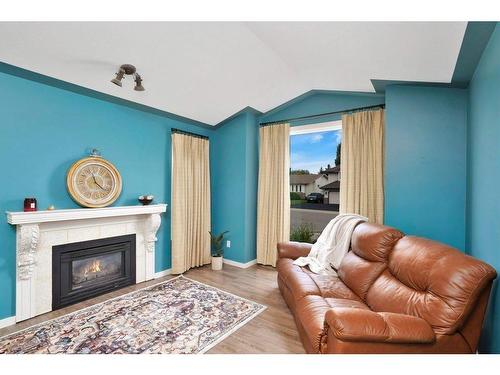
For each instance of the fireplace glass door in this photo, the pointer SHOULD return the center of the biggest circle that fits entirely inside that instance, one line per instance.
(96, 269)
(86, 269)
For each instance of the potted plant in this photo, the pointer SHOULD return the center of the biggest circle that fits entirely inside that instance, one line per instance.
(217, 250)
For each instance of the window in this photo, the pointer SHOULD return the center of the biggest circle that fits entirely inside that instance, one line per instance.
(313, 171)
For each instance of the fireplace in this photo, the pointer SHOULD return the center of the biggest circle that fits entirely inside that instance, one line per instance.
(82, 270)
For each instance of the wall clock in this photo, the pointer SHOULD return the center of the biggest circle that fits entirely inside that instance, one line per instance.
(94, 182)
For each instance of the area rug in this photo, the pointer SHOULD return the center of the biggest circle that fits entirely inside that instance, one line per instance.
(177, 316)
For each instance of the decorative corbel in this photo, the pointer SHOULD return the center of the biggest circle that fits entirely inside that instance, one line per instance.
(152, 224)
(29, 235)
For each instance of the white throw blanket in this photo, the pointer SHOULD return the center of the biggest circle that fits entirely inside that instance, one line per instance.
(332, 245)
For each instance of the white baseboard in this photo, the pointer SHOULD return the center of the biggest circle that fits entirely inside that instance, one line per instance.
(239, 264)
(163, 273)
(11, 320)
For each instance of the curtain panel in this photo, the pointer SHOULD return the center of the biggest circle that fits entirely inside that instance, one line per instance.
(273, 207)
(190, 202)
(362, 165)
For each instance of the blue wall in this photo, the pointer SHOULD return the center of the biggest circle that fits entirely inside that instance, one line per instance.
(483, 198)
(425, 162)
(235, 176)
(43, 130)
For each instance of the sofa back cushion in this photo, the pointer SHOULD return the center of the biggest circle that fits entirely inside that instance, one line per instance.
(371, 245)
(429, 280)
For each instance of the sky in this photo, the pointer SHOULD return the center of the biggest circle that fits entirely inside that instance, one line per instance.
(313, 151)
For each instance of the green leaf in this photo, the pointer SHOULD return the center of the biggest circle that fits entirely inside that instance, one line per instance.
(216, 240)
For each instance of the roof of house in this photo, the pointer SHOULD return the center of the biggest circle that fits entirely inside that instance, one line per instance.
(303, 179)
(335, 186)
(335, 169)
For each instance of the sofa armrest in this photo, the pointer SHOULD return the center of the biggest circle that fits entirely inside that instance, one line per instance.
(293, 250)
(354, 324)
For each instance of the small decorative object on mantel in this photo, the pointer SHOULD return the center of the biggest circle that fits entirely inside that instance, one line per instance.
(146, 199)
(93, 181)
(51, 208)
(217, 250)
(29, 204)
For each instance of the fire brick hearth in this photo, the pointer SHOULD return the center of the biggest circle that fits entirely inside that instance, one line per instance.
(83, 270)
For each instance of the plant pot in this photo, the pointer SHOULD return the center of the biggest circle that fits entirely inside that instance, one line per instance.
(217, 263)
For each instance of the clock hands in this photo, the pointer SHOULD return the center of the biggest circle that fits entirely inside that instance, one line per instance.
(95, 181)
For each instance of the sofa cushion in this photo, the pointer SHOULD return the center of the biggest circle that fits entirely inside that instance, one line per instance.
(311, 312)
(371, 245)
(374, 242)
(432, 281)
(302, 282)
(333, 287)
(359, 273)
(294, 277)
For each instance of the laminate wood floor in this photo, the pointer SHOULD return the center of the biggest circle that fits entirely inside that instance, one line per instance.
(273, 331)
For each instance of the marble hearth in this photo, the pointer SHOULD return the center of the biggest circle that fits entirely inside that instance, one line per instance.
(38, 231)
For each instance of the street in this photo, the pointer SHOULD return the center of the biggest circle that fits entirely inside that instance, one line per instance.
(318, 219)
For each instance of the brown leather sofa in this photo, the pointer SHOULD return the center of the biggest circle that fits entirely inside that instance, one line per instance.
(393, 294)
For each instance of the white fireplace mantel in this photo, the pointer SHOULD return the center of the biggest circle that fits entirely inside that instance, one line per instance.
(38, 231)
(37, 217)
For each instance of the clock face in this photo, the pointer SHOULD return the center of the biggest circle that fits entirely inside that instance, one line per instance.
(94, 182)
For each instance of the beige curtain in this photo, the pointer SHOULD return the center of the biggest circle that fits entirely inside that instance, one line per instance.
(190, 202)
(362, 165)
(273, 207)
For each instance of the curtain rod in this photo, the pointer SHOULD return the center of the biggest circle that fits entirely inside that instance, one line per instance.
(321, 115)
(175, 130)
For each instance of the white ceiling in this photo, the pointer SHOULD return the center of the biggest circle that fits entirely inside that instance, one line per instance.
(209, 71)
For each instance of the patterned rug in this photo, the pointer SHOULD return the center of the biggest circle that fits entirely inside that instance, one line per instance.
(177, 316)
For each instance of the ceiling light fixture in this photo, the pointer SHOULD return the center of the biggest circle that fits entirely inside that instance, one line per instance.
(127, 69)
(138, 83)
(119, 76)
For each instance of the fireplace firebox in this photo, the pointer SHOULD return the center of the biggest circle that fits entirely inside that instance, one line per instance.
(82, 270)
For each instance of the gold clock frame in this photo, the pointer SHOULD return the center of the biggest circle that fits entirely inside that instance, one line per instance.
(93, 159)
